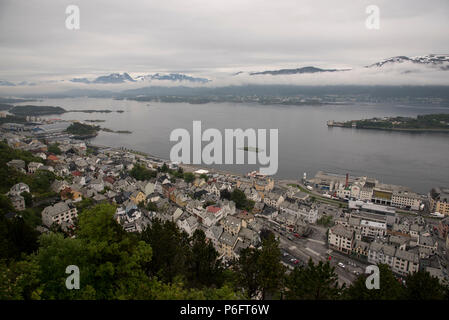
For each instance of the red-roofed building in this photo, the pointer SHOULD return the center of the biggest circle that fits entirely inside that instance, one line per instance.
(76, 173)
(109, 179)
(213, 209)
(53, 158)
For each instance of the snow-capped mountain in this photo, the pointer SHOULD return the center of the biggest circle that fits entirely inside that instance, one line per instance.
(171, 77)
(6, 83)
(111, 78)
(440, 61)
(125, 77)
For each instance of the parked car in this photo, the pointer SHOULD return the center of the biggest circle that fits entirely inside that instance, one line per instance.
(341, 265)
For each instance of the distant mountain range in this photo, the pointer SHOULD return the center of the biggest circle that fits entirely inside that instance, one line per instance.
(172, 77)
(296, 71)
(6, 83)
(431, 61)
(441, 61)
(112, 78)
(125, 77)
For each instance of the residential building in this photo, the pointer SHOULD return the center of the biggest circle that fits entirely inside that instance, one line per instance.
(341, 239)
(18, 188)
(60, 212)
(439, 200)
(227, 243)
(231, 225)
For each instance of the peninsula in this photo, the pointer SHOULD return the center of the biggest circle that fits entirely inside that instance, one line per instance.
(422, 123)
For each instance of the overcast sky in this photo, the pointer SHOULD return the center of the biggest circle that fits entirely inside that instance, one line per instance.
(202, 37)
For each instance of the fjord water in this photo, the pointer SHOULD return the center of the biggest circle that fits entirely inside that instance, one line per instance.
(306, 144)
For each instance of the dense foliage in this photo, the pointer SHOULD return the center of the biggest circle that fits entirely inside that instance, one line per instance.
(421, 122)
(141, 173)
(81, 129)
(30, 110)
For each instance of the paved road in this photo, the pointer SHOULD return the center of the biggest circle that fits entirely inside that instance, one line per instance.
(304, 249)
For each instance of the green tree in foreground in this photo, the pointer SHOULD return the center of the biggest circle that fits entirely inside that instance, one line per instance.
(260, 271)
(204, 268)
(422, 286)
(313, 282)
(170, 247)
(389, 287)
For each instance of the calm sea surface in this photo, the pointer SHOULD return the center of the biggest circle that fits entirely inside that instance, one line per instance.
(417, 160)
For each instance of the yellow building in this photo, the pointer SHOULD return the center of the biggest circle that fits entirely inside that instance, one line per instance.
(137, 197)
(439, 200)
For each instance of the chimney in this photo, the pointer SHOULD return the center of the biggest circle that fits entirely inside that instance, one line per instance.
(347, 180)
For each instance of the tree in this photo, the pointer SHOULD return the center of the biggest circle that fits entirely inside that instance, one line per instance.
(271, 269)
(389, 287)
(16, 238)
(119, 258)
(261, 271)
(141, 204)
(225, 194)
(164, 168)
(248, 270)
(313, 282)
(151, 206)
(139, 172)
(28, 198)
(170, 248)
(41, 181)
(239, 197)
(204, 268)
(422, 286)
(188, 177)
(54, 148)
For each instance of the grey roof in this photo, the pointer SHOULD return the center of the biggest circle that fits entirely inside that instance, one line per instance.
(385, 249)
(409, 256)
(240, 245)
(398, 239)
(354, 221)
(58, 208)
(247, 233)
(216, 231)
(232, 221)
(342, 231)
(426, 241)
(228, 239)
(362, 244)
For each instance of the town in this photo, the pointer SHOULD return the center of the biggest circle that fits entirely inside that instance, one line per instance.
(352, 222)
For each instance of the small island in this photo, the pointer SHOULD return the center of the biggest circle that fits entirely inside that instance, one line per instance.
(95, 121)
(37, 111)
(83, 131)
(422, 123)
(118, 131)
(30, 110)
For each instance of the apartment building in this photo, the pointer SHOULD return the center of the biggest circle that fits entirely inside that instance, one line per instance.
(60, 212)
(439, 200)
(406, 199)
(341, 239)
